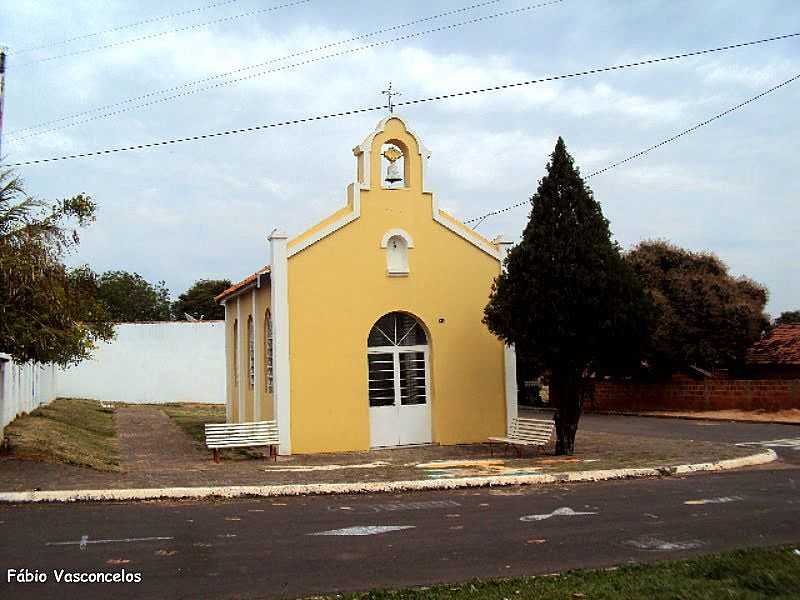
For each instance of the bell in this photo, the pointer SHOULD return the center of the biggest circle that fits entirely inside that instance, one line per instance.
(393, 173)
(392, 154)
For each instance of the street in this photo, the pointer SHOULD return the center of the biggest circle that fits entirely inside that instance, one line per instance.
(290, 547)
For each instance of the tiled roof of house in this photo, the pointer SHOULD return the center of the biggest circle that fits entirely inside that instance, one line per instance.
(781, 346)
(237, 287)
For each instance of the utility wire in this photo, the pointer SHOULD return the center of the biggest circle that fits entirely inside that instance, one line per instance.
(203, 137)
(181, 13)
(15, 134)
(641, 153)
(151, 36)
(447, 96)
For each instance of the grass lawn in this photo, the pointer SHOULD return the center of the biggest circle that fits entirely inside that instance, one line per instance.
(68, 430)
(192, 417)
(742, 575)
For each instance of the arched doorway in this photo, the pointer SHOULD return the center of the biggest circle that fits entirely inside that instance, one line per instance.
(399, 382)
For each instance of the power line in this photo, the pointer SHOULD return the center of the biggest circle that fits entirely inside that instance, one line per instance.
(348, 51)
(397, 39)
(15, 134)
(694, 127)
(344, 113)
(151, 36)
(181, 13)
(651, 148)
(439, 97)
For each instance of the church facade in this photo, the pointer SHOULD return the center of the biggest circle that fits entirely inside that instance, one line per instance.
(365, 330)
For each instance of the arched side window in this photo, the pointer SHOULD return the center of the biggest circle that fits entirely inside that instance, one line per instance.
(397, 242)
(268, 347)
(235, 364)
(251, 352)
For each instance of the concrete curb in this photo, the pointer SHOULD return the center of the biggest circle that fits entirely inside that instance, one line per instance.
(627, 413)
(264, 491)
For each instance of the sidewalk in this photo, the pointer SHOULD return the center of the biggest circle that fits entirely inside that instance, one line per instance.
(156, 453)
(781, 417)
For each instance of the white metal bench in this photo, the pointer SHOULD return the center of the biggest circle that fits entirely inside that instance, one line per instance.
(242, 435)
(526, 432)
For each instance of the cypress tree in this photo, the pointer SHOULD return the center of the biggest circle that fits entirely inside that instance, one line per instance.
(566, 296)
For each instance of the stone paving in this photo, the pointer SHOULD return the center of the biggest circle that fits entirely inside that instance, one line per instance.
(150, 442)
(154, 452)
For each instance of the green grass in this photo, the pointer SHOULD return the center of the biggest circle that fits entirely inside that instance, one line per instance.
(68, 430)
(741, 575)
(192, 419)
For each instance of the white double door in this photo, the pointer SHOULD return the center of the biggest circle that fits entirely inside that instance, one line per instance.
(399, 398)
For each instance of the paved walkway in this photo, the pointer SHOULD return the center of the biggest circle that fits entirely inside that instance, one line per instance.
(154, 452)
(149, 441)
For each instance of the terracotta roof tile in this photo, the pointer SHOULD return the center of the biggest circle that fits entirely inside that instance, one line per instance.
(781, 346)
(236, 287)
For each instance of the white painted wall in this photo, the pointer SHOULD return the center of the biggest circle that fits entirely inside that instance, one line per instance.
(24, 387)
(174, 361)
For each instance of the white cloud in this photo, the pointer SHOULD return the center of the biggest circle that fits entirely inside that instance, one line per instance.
(756, 76)
(196, 209)
(676, 178)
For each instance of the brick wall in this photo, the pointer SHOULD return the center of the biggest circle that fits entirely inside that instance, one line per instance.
(708, 394)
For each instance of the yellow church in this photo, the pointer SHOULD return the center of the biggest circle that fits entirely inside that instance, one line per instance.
(365, 330)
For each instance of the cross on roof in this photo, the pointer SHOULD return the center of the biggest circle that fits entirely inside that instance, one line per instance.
(390, 92)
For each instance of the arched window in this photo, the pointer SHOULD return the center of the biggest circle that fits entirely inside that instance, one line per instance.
(396, 355)
(251, 352)
(235, 365)
(397, 242)
(268, 347)
(397, 329)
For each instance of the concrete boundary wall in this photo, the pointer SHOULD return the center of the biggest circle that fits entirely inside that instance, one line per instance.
(703, 395)
(24, 388)
(170, 361)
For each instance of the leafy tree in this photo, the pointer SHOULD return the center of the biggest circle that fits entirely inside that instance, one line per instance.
(567, 298)
(130, 298)
(788, 317)
(47, 312)
(702, 315)
(198, 300)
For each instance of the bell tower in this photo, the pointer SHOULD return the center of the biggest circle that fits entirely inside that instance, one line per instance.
(392, 157)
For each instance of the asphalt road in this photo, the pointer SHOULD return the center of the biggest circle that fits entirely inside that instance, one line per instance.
(272, 548)
(692, 429)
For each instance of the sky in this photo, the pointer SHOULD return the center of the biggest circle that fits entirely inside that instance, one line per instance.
(204, 209)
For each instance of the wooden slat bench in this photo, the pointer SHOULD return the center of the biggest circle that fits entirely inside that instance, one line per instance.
(242, 435)
(526, 432)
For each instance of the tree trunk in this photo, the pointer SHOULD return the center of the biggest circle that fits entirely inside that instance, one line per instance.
(564, 385)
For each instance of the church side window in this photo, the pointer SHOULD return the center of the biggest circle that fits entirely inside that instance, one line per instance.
(251, 352)
(235, 365)
(268, 347)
